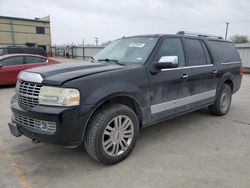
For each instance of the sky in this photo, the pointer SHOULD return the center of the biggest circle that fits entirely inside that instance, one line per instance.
(75, 20)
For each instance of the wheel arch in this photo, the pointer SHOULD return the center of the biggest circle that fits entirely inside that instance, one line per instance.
(227, 78)
(230, 83)
(121, 98)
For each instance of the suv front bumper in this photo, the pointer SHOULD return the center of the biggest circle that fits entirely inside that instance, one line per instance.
(67, 125)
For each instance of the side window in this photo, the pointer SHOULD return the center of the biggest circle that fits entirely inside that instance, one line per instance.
(196, 54)
(172, 47)
(11, 61)
(225, 51)
(30, 60)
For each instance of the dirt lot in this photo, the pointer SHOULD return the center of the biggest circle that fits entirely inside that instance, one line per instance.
(195, 150)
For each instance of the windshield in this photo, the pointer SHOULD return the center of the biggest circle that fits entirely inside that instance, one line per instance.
(128, 50)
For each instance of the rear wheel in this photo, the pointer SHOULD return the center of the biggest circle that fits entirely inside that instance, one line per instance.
(112, 133)
(223, 101)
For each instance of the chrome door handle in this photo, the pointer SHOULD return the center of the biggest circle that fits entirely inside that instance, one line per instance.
(214, 71)
(184, 76)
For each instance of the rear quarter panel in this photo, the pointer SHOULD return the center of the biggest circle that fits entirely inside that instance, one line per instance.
(230, 71)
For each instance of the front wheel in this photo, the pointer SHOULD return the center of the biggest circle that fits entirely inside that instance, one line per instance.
(223, 101)
(112, 133)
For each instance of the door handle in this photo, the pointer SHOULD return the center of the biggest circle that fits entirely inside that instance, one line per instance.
(184, 76)
(214, 71)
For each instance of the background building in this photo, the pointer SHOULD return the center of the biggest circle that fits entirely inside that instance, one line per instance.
(21, 31)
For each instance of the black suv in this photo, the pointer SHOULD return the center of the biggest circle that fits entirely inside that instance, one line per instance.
(22, 50)
(133, 83)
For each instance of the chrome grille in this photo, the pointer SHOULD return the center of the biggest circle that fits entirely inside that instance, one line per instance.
(28, 93)
(45, 126)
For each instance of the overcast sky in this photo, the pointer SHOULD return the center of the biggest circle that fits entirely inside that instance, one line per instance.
(73, 20)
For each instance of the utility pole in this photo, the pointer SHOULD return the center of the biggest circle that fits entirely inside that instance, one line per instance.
(96, 41)
(227, 24)
(83, 52)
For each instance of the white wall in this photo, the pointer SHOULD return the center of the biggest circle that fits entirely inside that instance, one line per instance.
(244, 51)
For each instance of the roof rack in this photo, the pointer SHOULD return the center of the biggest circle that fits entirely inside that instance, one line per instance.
(198, 34)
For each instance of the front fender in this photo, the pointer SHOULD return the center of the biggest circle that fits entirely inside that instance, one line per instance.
(115, 89)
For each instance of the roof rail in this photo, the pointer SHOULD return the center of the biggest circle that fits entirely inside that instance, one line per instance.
(198, 34)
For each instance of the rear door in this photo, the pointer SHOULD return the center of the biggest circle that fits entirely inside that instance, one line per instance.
(33, 61)
(203, 81)
(169, 88)
(10, 67)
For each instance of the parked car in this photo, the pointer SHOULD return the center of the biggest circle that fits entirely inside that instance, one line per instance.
(22, 50)
(11, 65)
(133, 83)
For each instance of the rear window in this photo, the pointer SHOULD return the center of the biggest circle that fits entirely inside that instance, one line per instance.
(225, 51)
(31, 60)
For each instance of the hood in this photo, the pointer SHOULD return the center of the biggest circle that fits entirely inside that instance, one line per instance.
(57, 74)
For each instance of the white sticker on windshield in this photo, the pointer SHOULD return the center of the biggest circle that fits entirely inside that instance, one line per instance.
(137, 45)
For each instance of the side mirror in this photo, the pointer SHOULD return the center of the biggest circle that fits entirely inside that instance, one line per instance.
(167, 62)
(1, 65)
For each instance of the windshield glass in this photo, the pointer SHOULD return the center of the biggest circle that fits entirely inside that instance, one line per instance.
(128, 50)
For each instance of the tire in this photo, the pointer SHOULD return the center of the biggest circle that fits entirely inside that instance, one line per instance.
(112, 134)
(223, 101)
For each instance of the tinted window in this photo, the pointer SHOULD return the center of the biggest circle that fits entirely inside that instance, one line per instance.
(171, 47)
(38, 51)
(42, 46)
(29, 50)
(3, 51)
(196, 55)
(12, 61)
(40, 30)
(15, 50)
(208, 59)
(224, 51)
(30, 60)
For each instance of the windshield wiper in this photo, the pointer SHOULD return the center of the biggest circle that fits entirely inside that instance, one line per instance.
(111, 60)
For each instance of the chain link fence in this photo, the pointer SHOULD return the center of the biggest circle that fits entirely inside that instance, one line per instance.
(83, 52)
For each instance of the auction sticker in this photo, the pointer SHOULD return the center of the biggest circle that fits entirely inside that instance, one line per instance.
(137, 45)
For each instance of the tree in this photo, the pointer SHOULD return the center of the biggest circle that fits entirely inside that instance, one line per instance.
(239, 39)
(106, 43)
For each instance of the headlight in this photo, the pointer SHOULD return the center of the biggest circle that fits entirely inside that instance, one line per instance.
(56, 96)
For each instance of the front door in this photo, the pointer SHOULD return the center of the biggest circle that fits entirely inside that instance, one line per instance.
(169, 88)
